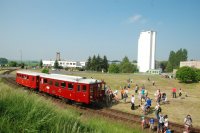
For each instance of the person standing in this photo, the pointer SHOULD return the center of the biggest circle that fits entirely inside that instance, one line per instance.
(180, 92)
(166, 123)
(151, 124)
(122, 93)
(125, 94)
(132, 102)
(157, 111)
(188, 123)
(174, 92)
(136, 89)
(153, 83)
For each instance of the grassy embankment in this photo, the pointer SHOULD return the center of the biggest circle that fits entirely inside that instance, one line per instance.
(21, 111)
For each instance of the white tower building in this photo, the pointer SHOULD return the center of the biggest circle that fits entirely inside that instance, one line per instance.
(146, 51)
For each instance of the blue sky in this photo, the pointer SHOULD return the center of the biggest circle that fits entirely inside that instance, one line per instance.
(82, 28)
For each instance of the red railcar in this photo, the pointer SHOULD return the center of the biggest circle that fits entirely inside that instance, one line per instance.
(28, 79)
(73, 88)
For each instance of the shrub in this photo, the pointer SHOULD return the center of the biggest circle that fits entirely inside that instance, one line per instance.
(45, 70)
(187, 74)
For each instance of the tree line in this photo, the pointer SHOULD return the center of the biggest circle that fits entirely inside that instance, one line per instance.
(174, 59)
(97, 63)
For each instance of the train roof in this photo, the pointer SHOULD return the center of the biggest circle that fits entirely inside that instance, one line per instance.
(62, 77)
(31, 73)
(70, 78)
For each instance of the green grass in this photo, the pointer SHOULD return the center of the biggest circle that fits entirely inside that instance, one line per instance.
(22, 111)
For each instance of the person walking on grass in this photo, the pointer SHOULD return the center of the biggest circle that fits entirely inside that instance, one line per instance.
(158, 110)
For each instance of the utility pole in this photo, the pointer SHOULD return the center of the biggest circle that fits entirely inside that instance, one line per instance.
(21, 56)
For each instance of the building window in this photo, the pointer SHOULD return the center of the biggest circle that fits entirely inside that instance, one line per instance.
(63, 84)
(70, 86)
(57, 84)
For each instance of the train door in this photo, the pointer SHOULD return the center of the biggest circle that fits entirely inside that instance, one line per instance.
(79, 96)
(71, 91)
(37, 81)
(92, 93)
(56, 89)
(82, 93)
(62, 90)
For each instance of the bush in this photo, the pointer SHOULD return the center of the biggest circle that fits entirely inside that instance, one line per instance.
(45, 70)
(187, 74)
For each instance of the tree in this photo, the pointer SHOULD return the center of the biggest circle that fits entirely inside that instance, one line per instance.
(113, 68)
(98, 63)
(56, 65)
(175, 58)
(94, 64)
(105, 63)
(3, 61)
(187, 74)
(12, 63)
(126, 66)
(41, 64)
(88, 64)
(169, 67)
(163, 65)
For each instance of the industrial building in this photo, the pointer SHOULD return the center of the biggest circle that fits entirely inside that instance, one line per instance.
(146, 51)
(70, 64)
(195, 64)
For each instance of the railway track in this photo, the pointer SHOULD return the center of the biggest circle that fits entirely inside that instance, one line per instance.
(105, 112)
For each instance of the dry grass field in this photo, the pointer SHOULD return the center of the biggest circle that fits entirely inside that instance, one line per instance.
(177, 108)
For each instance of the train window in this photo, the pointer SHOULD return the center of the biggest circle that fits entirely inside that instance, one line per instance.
(27, 77)
(50, 82)
(45, 81)
(78, 88)
(57, 83)
(84, 88)
(70, 86)
(63, 84)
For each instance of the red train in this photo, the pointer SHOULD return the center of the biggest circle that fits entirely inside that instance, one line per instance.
(72, 88)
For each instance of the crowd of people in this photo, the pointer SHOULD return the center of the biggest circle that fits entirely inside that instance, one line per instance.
(146, 103)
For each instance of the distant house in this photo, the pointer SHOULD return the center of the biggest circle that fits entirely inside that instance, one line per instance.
(70, 64)
(154, 71)
(195, 64)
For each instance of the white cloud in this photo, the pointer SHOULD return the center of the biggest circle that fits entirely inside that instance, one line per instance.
(135, 18)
